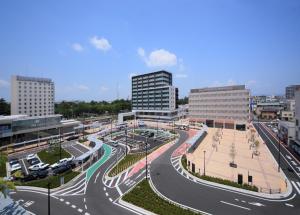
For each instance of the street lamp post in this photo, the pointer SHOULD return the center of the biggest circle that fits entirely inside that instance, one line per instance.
(111, 128)
(146, 158)
(59, 144)
(48, 198)
(204, 162)
(279, 147)
(126, 141)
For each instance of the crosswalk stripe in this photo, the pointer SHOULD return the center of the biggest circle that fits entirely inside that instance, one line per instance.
(111, 182)
(294, 184)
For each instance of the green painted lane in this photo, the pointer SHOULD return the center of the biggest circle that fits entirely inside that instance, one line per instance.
(103, 159)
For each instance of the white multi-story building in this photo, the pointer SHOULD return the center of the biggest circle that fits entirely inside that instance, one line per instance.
(222, 107)
(154, 97)
(296, 146)
(32, 96)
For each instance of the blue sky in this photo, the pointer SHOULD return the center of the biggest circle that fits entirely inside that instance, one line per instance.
(91, 48)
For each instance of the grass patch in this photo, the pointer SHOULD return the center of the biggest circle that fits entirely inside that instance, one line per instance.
(51, 156)
(143, 196)
(126, 162)
(218, 180)
(54, 180)
(3, 160)
(82, 140)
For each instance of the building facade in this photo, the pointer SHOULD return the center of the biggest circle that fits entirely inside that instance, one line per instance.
(153, 96)
(16, 129)
(32, 96)
(222, 107)
(290, 91)
(296, 145)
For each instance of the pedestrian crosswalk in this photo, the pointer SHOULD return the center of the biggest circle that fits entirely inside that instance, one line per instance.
(296, 185)
(116, 181)
(77, 189)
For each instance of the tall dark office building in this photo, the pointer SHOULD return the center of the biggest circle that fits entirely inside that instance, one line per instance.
(290, 91)
(153, 96)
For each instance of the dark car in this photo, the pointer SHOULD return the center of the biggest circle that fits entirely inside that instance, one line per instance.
(42, 173)
(61, 169)
(34, 161)
(29, 177)
(290, 169)
(72, 164)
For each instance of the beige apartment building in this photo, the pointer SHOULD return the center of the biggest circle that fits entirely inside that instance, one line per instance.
(221, 107)
(32, 96)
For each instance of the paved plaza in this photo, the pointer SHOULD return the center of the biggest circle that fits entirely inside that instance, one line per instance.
(262, 167)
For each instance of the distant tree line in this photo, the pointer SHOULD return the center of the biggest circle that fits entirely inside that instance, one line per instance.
(4, 107)
(84, 109)
(183, 101)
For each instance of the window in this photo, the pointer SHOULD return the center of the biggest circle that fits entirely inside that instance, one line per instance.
(297, 122)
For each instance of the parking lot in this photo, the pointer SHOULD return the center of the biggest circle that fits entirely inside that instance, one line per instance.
(136, 141)
(22, 162)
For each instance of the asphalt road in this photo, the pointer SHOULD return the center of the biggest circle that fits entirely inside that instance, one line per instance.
(211, 199)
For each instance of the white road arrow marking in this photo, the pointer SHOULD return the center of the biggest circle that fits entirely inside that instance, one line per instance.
(289, 157)
(256, 204)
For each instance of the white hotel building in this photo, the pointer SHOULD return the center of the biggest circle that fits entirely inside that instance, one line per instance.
(222, 107)
(32, 96)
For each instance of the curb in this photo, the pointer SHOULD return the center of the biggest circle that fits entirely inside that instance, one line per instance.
(135, 208)
(239, 190)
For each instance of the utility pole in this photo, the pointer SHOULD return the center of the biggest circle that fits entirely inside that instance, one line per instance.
(59, 144)
(204, 162)
(48, 198)
(111, 128)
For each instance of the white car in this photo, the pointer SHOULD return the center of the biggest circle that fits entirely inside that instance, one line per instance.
(15, 167)
(61, 162)
(39, 166)
(30, 156)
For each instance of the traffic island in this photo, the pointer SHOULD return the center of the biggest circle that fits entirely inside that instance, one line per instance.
(52, 155)
(144, 197)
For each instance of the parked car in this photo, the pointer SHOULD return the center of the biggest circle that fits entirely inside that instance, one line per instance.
(61, 169)
(30, 157)
(29, 177)
(34, 161)
(61, 162)
(15, 167)
(42, 173)
(14, 161)
(39, 166)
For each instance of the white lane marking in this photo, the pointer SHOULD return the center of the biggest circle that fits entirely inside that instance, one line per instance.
(111, 182)
(118, 180)
(126, 175)
(67, 203)
(76, 188)
(73, 206)
(80, 210)
(106, 194)
(294, 184)
(28, 203)
(289, 205)
(85, 207)
(236, 200)
(243, 201)
(104, 188)
(61, 200)
(177, 165)
(227, 203)
(63, 190)
(25, 166)
(110, 199)
(140, 174)
(289, 157)
(119, 191)
(178, 169)
(278, 150)
(80, 191)
(96, 177)
(30, 213)
(298, 183)
(256, 204)
(86, 213)
(83, 199)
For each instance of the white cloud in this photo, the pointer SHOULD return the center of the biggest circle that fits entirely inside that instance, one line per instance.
(82, 87)
(181, 75)
(141, 52)
(103, 89)
(157, 58)
(77, 47)
(100, 43)
(4, 84)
